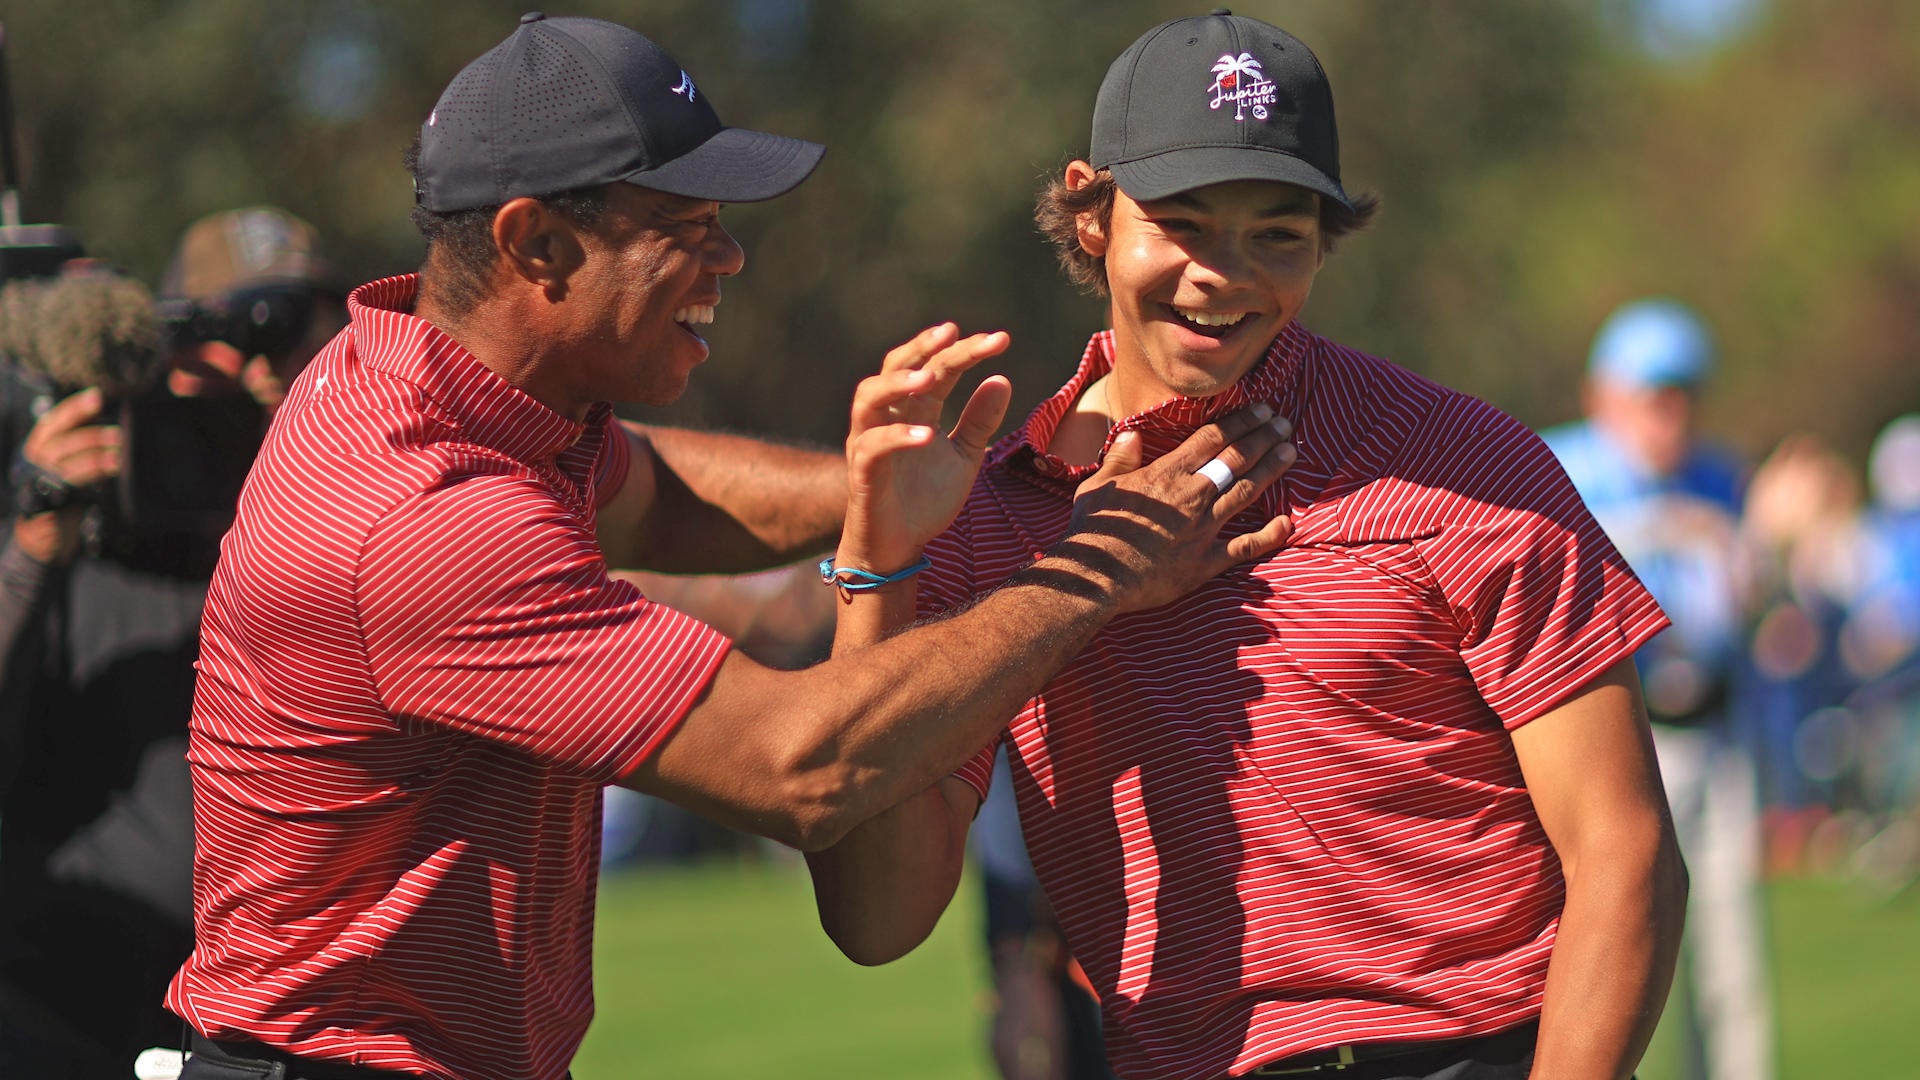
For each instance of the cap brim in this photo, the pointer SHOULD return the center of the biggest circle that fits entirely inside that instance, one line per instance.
(1192, 167)
(735, 166)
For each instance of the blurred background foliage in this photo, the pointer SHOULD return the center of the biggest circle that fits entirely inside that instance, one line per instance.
(1540, 162)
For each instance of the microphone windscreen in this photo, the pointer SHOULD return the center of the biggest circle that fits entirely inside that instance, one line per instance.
(89, 327)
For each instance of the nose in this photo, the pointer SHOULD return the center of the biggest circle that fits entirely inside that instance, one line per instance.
(723, 255)
(1217, 264)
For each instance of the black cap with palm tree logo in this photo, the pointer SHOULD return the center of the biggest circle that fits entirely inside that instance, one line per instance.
(1213, 98)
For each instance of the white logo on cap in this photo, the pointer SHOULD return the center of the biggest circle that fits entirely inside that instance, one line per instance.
(686, 87)
(1239, 79)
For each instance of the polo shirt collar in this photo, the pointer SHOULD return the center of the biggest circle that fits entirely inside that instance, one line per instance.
(487, 409)
(1277, 379)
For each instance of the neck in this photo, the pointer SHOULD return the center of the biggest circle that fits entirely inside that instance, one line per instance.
(507, 341)
(1129, 388)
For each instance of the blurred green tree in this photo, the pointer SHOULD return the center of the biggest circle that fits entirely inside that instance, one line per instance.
(1540, 162)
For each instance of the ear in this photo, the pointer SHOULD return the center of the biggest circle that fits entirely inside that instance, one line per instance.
(1091, 231)
(538, 246)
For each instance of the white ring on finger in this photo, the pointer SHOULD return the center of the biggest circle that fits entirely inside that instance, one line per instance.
(1219, 472)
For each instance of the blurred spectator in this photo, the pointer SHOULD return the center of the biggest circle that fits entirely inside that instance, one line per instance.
(264, 268)
(1801, 535)
(1672, 505)
(99, 629)
(1883, 631)
(1880, 744)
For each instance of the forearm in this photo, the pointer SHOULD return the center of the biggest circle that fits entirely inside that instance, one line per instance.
(872, 615)
(24, 586)
(729, 504)
(881, 889)
(1612, 964)
(806, 756)
(934, 697)
(23, 580)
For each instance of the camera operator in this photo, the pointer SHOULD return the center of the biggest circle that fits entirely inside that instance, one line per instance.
(257, 298)
(140, 425)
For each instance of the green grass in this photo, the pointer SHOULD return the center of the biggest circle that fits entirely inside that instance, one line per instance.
(1846, 972)
(721, 971)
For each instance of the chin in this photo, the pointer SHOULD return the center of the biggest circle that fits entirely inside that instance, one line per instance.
(658, 395)
(1195, 380)
(1202, 373)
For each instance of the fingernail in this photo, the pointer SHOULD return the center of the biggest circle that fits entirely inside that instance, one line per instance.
(919, 432)
(1263, 410)
(1283, 426)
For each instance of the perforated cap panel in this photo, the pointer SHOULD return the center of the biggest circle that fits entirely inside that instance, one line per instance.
(572, 102)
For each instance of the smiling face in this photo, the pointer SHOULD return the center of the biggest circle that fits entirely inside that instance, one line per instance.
(1201, 282)
(649, 280)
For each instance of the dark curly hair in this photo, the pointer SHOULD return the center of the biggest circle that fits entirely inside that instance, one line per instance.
(1058, 208)
(460, 249)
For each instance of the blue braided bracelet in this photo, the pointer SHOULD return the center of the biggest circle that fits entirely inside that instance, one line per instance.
(850, 579)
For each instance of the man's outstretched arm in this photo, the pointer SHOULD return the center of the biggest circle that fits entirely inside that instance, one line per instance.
(805, 756)
(1590, 768)
(701, 502)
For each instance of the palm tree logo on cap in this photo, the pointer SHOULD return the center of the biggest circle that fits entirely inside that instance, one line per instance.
(1239, 79)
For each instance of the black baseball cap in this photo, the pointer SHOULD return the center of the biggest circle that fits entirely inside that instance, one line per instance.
(568, 103)
(1213, 98)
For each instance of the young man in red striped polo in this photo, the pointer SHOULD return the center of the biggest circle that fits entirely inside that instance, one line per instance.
(416, 673)
(1380, 804)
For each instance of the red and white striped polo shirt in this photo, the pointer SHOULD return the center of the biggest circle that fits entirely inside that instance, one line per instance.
(415, 677)
(1284, 812)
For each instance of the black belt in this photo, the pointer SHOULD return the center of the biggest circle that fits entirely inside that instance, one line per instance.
(1340, 1062)
(236, 1060)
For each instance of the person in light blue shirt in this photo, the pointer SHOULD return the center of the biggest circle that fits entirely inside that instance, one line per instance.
(1671, 503)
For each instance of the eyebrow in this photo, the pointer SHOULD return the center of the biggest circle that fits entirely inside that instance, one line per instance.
(1290, 206)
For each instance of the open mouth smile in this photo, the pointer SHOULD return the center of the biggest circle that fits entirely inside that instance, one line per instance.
(1210, 324)
(694, 315)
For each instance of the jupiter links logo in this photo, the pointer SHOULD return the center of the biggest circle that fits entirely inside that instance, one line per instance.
(1238, 79)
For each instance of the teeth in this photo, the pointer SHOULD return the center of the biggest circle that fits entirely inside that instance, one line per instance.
(1210, 318)
(696, 314)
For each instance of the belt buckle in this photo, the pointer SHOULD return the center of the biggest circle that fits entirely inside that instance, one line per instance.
(1345, 1061)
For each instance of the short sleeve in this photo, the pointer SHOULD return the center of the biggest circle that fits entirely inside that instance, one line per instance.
(486, 608)
(1544, 602)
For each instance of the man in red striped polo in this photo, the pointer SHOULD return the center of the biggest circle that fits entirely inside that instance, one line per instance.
(416, 673)
(1380, 804)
